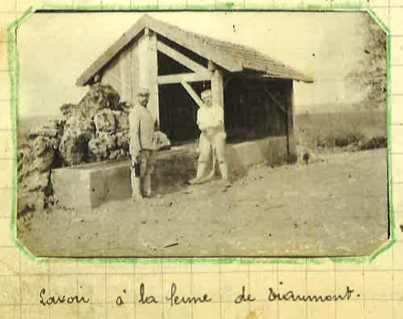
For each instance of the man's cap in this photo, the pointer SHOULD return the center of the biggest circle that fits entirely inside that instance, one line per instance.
(206, 93)
(143, 92)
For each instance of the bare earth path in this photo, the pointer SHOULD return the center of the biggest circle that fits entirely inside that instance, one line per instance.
(337, 207)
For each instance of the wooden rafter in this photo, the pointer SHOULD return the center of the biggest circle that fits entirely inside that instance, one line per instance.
(192, 93)
(180, 58)
(184, 77)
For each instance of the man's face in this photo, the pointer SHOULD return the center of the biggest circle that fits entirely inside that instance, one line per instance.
(143, 99)
(208, 100)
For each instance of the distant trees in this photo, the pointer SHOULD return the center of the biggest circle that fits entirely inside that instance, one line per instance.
(370, 73)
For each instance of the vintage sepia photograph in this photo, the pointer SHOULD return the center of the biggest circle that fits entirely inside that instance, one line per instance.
(202, 134)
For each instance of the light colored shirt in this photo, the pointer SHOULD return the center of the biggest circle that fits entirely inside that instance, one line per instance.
(210, 117)
(141, 132)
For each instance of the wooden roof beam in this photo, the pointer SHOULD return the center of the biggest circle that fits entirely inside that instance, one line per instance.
(184, 77)
(180, 58)
(193, 94)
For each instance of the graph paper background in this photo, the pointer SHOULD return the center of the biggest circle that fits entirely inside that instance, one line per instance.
(380, 283)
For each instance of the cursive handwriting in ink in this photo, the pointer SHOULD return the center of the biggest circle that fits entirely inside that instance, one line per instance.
(59, 300)
(176, 244)
(242, 298)
(119, 300)
(176, 300)
(290, 296)
(147, 299)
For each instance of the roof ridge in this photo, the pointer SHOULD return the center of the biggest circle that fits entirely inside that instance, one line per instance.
(197, 34)
(207, 46)
(240, 46)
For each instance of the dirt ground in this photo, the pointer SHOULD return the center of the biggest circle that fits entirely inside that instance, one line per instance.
(336, 206)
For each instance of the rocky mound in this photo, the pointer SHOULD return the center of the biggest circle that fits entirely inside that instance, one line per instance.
(94, 130)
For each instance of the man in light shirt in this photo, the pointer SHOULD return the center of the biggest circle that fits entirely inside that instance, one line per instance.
(210, 120)
(142, 146)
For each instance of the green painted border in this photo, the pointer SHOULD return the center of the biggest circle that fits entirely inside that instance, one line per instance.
(13, 60)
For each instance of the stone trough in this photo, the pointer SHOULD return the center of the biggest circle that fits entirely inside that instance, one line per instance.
(90, 185)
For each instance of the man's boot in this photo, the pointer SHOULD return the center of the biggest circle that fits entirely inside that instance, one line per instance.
(201, 171)
(147, 185)
(136, 187)
(224, 174)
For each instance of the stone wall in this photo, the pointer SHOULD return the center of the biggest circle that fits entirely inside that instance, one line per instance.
(99, 183)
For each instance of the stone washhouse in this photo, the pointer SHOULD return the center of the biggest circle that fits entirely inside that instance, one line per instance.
(176, 66)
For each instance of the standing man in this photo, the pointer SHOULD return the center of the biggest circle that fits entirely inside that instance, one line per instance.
(142, 146)
(210, 119)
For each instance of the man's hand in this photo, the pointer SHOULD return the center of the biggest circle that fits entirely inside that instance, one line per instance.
(205, 127)
(135, 159)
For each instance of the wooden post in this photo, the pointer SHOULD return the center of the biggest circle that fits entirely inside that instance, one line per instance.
(217, 84)
(291, 139)
(134, 69)
(148, 69)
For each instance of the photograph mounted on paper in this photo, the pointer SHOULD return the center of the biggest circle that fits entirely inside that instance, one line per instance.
(202, 134)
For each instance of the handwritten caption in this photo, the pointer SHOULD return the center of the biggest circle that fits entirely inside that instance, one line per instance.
(175, 299)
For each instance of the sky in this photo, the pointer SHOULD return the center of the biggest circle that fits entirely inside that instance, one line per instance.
(55, 48)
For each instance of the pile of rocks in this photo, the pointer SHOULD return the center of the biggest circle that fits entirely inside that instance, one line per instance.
(35, 160)
(96, 129)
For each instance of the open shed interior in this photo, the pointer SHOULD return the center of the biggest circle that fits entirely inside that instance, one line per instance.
(177, 109)
(178, 114)
(253, 108)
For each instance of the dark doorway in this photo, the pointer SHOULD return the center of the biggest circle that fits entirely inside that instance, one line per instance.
(178, 112)
(255, 108)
